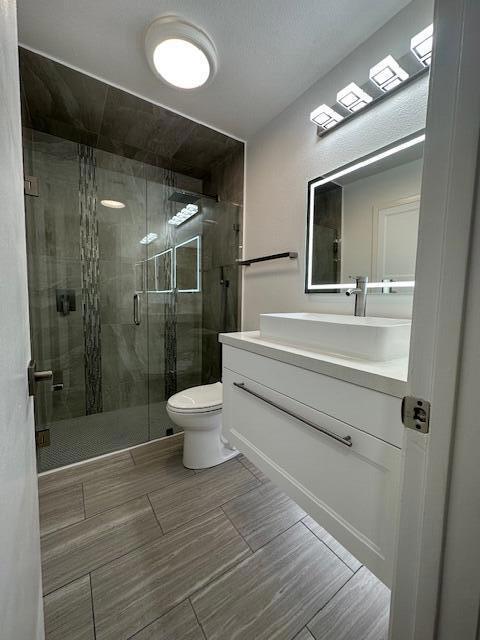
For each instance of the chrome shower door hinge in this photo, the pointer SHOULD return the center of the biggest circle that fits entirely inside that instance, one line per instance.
(42, 438)
(30, 186)
(416, 414)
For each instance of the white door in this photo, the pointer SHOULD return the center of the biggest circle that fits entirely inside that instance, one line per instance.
(450, 172)
(21, 615)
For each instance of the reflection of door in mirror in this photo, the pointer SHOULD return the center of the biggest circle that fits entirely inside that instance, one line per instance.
(395, 229)
(364, 196)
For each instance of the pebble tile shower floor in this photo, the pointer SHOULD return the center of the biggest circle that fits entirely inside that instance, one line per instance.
(136, 546)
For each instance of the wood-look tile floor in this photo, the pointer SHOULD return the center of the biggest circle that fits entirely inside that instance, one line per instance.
(136, 546)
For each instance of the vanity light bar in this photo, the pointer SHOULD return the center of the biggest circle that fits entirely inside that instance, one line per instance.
(353, 98)
(325, 117)
(183, 215)
(387, 74)
(421, 45)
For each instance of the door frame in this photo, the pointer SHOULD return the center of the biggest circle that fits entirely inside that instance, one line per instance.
(446, 216)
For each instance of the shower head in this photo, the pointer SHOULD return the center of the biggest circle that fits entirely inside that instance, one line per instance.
(189, 197)
(185, 197)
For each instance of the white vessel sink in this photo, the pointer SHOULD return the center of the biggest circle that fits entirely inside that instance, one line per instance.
(367, 338)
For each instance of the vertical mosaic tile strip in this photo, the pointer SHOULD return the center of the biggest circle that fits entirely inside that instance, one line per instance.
(89, 257)
(170, 308)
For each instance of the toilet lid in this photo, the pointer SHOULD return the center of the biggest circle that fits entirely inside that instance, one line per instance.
(204, 398)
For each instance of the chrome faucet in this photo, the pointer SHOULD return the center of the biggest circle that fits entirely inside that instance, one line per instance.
(360, 293)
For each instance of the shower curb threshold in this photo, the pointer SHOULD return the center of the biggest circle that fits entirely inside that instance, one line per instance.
(108, 455)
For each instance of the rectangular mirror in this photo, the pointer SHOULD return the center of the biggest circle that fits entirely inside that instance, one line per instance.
(164, 271)
(187, 266)
(363, 220)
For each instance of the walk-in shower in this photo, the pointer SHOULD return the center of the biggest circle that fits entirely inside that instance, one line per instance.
(133, 232)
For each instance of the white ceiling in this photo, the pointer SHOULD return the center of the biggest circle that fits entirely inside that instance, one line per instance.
(270, 51)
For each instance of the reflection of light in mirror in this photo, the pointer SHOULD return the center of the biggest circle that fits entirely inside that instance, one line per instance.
(183, 215)
(421, 45)
(335, 176)
(150, 237)
(112, 204)
(387, 74)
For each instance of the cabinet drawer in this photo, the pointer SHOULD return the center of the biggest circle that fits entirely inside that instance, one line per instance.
(350, 490)
(373, 412)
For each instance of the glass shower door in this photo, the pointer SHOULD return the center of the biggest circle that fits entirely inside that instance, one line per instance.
(192, 288)
(82, 282)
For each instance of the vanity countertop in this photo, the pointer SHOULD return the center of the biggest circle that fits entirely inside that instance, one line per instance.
(386, 377)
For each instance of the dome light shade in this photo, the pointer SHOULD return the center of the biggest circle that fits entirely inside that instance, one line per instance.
(180, 54)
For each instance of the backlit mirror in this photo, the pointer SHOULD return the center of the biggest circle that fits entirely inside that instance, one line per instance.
(363, 220)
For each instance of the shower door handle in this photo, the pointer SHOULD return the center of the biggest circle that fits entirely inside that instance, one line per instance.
(136, 309)
(34, 377)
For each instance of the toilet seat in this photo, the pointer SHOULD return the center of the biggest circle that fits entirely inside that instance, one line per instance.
(206, 398)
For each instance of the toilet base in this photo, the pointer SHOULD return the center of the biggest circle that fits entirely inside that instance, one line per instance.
(228, 454)
(203, 445)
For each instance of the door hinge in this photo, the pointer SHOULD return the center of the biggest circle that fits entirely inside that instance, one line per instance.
(416, 414)
(30, 186)
(42, 438)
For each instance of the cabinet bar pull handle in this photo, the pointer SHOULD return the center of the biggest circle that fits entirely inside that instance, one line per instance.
(346, 440)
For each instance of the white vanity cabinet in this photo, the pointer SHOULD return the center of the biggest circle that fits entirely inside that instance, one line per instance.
(333, 446)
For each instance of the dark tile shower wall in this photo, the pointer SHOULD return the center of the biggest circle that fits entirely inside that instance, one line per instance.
(71, 105)
(86, 141)
(221, 277)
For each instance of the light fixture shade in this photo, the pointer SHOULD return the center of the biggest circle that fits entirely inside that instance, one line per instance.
(179, 53)
(387, 74)
(325, 117)
(421, 45)
(353, 98)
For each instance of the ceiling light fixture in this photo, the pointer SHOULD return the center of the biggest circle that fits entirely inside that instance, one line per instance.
(179, 53)
(353, 98)
(113, 204)
(421, 45)
(325, 117)
(387, 74)
(183, 215)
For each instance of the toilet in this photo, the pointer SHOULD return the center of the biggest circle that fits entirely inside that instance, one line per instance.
(198, 411)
